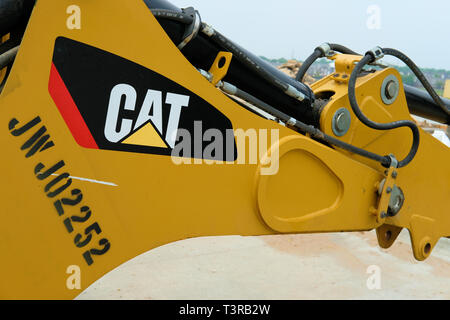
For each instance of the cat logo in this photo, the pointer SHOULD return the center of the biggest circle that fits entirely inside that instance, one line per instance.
(148, 128)
(111, 103)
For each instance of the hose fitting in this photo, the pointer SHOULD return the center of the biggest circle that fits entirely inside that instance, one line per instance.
(326, 49)
(376, 53)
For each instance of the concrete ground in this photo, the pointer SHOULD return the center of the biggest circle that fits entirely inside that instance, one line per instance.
(317, 266)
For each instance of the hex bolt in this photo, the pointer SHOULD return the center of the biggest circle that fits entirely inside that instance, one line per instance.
(394, 174)
(388, 190)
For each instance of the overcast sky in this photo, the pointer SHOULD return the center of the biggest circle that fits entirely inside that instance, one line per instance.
(293, 28)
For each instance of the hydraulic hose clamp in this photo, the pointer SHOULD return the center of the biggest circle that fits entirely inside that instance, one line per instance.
(326, 49)
(376, 53)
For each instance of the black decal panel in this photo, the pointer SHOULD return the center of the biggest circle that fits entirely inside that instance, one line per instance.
(91, 87)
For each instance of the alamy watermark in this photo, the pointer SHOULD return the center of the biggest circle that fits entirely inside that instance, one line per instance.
(74, 19)
(374, 280)
(373, 21)
(73, 281)
(251, 146)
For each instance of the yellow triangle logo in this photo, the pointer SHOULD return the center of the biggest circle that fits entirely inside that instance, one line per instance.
(146, 136)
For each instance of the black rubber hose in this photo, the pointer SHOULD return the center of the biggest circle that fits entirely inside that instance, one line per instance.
(9, 44)
(14, 14)
(368, 58)
(342, 49)
(419, 75)
(202, 51)
(307, 64)
(318, 53)
(422, 104)
(172, 15)
(11, 12)
(8, 57)
(303, 127)
(237, 52)
(241, 55)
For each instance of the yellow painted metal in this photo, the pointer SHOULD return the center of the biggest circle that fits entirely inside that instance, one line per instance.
(143, 201)
(387, 234)
(344, 65)
(147, 200)
(343, 190)
(425, 181)
(220, 66)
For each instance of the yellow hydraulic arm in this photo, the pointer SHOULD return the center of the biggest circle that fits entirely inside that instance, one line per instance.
(96, 192)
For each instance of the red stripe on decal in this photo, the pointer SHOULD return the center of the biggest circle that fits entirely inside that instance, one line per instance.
(69, 110)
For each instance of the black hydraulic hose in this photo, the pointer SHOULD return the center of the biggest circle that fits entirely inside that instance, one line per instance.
(420, 103)
(224, 42)
(11, 12)
(319, 53)
(173, 15)
(419, 75)
(3, 82)
(368, 58)
(9, 44)
(343, 49)
(307, 64)
(8, 57)
(4, 48)
(303, 127)
(14, 14)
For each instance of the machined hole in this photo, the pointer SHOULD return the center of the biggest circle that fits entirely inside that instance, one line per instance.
(388, 235)
(222, 62)
(427, 248)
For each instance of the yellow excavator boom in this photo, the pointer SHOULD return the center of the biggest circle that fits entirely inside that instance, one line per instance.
(114, 143)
